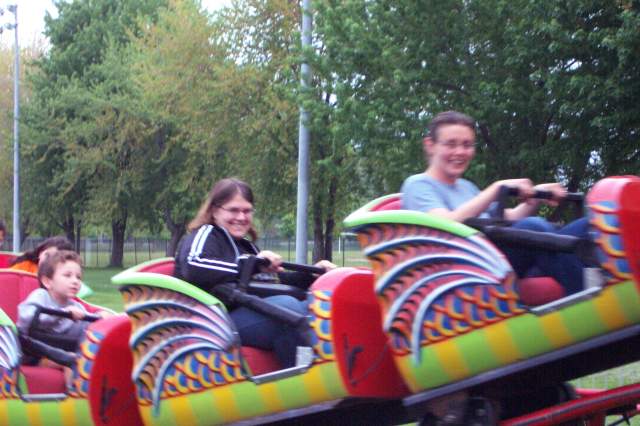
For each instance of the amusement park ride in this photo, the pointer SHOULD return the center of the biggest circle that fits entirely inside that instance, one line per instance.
(438, 331)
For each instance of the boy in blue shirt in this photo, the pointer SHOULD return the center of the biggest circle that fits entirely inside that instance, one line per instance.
(441, 190)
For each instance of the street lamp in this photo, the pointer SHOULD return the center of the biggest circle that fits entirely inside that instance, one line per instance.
(16, 117)
(303, 145)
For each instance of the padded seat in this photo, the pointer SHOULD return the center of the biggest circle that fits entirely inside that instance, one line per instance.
(15, 286)
(535, 291)
(260, 361)
(392, 202)
(6, 258)
(43, 379)
(162, 266)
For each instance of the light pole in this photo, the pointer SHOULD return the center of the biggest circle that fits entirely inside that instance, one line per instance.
(303, 145)
(16, 128)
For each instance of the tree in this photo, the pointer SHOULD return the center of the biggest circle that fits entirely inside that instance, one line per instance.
(181, 75)
(546, 81)
(27, 55)
(85, 70)
(219, 96)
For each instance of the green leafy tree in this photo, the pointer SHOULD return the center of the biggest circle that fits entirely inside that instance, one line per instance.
(259, 38)
(549, 83)
(219, 95)
(182, 76)
(85, 122)
(27, 55)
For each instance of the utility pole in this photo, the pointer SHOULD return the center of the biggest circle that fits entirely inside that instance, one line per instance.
(303, 145)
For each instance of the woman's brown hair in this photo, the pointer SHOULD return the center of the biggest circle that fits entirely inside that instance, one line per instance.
(222, 191)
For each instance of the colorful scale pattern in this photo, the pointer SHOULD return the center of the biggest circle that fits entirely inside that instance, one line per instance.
(180, 346)
(603, 218)
(197, 371)
(9, 360)
(88, 349)
(320, 312)
(522, 337)
(434, 285)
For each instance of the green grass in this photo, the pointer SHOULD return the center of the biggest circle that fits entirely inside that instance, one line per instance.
(101, 259)
(616, 377)
(104, 293)
(613, 378)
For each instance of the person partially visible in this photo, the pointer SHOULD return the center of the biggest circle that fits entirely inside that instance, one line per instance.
(210, 255)
(60, 276)
(3, 232)
(441, 190)
(30, 260)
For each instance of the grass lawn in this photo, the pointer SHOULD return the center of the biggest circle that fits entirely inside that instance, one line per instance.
(104, 293)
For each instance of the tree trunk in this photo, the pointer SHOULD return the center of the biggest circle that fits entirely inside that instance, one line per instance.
(69, 228)
(118, 227)
(318, 235)
(177, 230)
(24, 230)
(176, 235)
(76, 242)
(318, 239)
(328, 238)
(330, 222)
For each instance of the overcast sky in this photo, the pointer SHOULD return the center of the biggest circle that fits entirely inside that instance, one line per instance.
(31, 18)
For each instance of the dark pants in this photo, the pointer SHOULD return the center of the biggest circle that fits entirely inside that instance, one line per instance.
(68, 341)
(261, 331)
(566, 268)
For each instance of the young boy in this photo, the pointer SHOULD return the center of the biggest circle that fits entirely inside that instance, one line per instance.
(60, 276)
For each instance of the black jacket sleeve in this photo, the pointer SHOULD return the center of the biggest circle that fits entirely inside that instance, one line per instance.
(207, 260)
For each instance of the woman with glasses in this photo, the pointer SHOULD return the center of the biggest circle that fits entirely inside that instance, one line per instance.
(211, 254)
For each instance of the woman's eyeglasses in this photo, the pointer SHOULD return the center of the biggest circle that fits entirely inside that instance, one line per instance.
(235, 211)
(453, 145)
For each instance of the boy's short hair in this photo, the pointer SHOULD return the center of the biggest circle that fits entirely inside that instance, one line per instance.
(48, 266)
(448, 118)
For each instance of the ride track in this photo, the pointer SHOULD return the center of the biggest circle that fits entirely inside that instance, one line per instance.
(439, 329)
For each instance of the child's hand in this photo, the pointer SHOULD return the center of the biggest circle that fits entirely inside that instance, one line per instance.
(326, 265)
(76, 313)
(104, 314)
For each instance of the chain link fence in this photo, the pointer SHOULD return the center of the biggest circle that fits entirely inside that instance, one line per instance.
(96, 251)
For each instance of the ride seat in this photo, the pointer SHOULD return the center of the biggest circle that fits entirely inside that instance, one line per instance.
(162, 266)
(43, 379)
(390, 202)
(536, 291)
(533, 291)
(6, 258)
(16, 286)
(259, 361)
